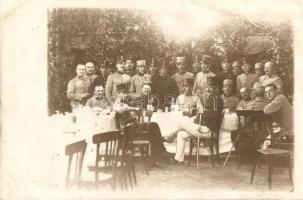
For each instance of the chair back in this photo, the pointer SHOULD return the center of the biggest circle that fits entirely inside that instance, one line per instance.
(108, 147)
(75, 149)
(260, 125)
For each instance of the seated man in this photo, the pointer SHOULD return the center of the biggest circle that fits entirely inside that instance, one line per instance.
(98, 101)
(212, 120)
(245, 103)
(187, 102)
(230, 101)
(158, 151)
(259, 101)
(280, 108)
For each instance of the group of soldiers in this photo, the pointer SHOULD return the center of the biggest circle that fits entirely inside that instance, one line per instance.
(237, 86)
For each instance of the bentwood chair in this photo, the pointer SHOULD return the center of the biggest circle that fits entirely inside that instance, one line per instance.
(261, 126)
(76, 149)
(244, 139)
(111, 158)
(212, 142)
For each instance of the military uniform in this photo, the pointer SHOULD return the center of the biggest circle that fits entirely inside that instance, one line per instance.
(188, 102)
(180, 78)
(265, 80)
(246, 80)
(230, 102)
(95, 102)
(136, 83)
(201, 82)
(111, 84)
(259, 103)
(244, 105)
(77, 89)
(282, 112)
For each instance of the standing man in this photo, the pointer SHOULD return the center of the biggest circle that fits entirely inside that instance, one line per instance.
(115, 79)
(137, 81)
(226, 72)
(230, 101)
(78, 87)
(129, 65)
(200, 83)
(270, 77)
(236, 68)
(90, 72)
(181, 74)
(259, 69)
(246, 79)
(164, 87)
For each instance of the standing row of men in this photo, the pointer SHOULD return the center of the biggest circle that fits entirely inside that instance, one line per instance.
(165, 87)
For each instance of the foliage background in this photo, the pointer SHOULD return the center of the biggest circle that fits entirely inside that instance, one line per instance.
(81, 35)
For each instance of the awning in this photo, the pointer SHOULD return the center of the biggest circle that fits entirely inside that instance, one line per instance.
(256, 44)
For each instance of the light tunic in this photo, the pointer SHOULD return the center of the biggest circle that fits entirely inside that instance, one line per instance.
(180, 79)
(77, 90)
(111, 85)
(201, 82)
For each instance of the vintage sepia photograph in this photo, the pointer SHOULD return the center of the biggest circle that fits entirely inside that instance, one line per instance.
(171, 100)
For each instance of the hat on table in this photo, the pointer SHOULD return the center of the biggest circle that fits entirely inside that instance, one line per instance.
(141, 62)
(180, 59)
(228, 82)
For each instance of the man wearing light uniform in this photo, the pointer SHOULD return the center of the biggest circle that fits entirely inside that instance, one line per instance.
(247, 78)
(270, 77)
(186, 102)
(90, 72)
(230, 101)
(115, 79)
(78, 87)
(181, 74)
(137, 81)
(201, 80)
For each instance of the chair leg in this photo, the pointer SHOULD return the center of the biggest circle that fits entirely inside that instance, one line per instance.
(190, 151)
(212, 154)
(269, 160)
(289, 170)
(255, 160)
(217, 152)
(133, 170)
(197, 152)
(143, 159)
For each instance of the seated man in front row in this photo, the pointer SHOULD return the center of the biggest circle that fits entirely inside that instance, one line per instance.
(98, 102)
(158, 151)
(212, 120)
(187, 102)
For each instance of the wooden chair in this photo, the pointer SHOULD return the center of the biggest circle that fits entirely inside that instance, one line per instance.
(244, 134)
(212, 142)
(75, 149)
(133, 128)
(261, 126)
(111, 158)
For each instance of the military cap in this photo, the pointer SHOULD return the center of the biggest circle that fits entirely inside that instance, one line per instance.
(121, 87)
(206, 59)
(141, 62)
(119, 59)
(227, 82)
(189, 82)
(259, 66)
(213, 80)
(180, 59)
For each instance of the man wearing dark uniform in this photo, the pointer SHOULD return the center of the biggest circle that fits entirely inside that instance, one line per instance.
(181, 74)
